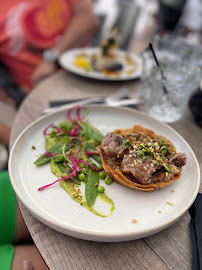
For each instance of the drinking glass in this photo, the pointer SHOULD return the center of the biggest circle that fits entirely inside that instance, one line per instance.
(167, 96)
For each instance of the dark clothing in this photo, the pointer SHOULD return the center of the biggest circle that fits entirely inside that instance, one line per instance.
(12, 89)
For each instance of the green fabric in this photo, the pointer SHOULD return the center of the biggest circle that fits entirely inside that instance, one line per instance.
(7, 210)
(6, 257)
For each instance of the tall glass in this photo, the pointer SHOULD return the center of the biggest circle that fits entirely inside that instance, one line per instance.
(166, 97)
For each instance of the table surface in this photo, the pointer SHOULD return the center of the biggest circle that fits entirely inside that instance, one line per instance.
(169, 249)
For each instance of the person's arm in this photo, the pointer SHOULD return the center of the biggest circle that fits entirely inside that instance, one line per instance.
(80, 29)
(4, 134)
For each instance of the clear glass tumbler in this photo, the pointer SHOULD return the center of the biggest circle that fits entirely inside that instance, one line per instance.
(166, 100)
(167, 96)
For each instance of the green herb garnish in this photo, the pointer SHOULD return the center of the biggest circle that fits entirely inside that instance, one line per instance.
(161, 139)
(163, 150)
(148, 152)
(170, 204)
(167, 167)
(140, 147)
(157, 162)
(141, 155)
(127, 144)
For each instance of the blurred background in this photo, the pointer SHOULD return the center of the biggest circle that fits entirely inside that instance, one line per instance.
(138, 21)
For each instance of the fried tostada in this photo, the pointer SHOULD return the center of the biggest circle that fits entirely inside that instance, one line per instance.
(140, 159)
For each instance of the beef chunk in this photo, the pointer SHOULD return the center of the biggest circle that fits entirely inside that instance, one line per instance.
(178, 159)
(112, 145)
(141, 171)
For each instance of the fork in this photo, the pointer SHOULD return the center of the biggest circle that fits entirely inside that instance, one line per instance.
(111, 100)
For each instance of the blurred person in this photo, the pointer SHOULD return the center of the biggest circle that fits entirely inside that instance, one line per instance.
(14, 254)
(170, 12)
(10, 92)
(189, 27)
(4, 134)
(4, 97)
(35, 33)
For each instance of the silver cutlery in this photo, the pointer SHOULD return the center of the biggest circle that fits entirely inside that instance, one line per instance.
(111, 100)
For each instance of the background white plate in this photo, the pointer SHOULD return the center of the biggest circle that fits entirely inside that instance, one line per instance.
(54, 207)
(66, 60)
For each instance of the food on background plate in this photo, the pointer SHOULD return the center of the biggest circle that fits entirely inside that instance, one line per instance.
(140, 159)
(109, 44)
(107, 60)
(74, 159)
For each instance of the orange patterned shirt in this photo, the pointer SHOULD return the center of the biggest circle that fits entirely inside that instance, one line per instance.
(26, 29)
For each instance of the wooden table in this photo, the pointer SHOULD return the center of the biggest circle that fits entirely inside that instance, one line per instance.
(169, 249)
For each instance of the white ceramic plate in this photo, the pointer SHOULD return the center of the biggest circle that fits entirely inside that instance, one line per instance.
(54, 207)
(67, 62)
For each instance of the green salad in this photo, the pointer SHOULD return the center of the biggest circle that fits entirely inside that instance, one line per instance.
(71, 150)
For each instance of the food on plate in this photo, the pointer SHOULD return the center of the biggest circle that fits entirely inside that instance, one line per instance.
(140, 159)
(107, 60)
(74, 159)
(82, 61)
(109, 44)
(105, 64)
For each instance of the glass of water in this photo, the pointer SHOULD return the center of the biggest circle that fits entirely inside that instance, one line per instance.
(167, 96)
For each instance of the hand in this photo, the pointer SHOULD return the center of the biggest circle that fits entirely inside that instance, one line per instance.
(42, 71)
